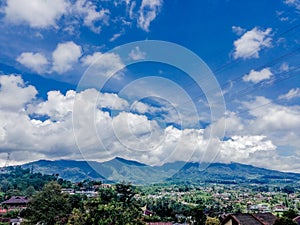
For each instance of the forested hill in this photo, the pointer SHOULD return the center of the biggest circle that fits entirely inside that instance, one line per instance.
(18, 181)
(119, 169)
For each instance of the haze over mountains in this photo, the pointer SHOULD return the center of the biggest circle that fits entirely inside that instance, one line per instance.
(119, 169)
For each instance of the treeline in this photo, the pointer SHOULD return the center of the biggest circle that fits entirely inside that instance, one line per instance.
(18, 181)
(115, 206)
(118, 205)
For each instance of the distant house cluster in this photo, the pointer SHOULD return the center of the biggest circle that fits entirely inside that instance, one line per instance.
(90, 192)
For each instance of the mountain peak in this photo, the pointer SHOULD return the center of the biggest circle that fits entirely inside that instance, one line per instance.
(128, 162)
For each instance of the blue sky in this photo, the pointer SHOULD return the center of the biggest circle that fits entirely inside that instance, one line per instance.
(78, 81)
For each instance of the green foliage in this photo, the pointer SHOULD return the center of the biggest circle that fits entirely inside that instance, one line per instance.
(49, 206)
(114, 207)
(20, 181)
(212, 221)
(284, 221)
(288, 189)
(11, 214)
(198, 216)
(125, 193)
(290, 214)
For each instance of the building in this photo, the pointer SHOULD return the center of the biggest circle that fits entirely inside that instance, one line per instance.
(16, 202)
(249, 219)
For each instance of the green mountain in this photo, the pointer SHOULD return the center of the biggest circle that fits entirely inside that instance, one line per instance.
(119, 169)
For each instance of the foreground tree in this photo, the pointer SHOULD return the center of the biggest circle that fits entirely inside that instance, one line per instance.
(212, 221)
(284, 221)
(198, 216)
(49, 206)
(291, 213)
(112, 207)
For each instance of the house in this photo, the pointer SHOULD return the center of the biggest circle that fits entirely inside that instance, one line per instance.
(16, 202)
(249, 219)
(68, 190)
(280, 208)
(15, 221)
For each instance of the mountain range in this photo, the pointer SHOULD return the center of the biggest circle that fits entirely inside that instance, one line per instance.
(119, 169)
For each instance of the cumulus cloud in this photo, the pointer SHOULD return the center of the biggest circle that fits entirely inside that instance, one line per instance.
(105, 64)
(147, 13)
(44, 129)
(65, 55)
(273, 117)
(91, 16)
(252, 42)
(258, 76)
(35, 13)
(37, 62)
(14, 94)
(240, 148)
(293, 93)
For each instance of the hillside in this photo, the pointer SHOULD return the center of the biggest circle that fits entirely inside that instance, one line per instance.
(119, 169)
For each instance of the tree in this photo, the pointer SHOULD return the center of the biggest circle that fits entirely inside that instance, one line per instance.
(112, 207)
(288, 189)
(290, 214)
(212, 221)
(284, 221)
(125, 193)
(77, 218)
(50, 206)
(29, 191)
(198, 216)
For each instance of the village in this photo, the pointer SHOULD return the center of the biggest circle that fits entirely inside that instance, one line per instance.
(223, 204)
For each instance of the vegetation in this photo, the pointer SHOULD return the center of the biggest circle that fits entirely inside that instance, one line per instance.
(125, 204)
(18, 181)
(49, 206)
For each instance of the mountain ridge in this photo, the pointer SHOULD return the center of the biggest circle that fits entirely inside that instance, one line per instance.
(120, 169)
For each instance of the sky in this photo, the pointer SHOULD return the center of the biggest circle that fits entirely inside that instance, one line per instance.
(151, 80)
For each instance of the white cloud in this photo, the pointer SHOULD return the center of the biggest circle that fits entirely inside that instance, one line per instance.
(251, 43)
(30, 137)
(65, 55)
(14, 94)
(35, 13)
(293, 93)
(103, 63)
(148, 12)
(116, 36)
(34, 61)
(112, 101)
(240, 148)
(137, 54)
(238, 30)
(57, 107)
(273, 117)
(258, 76)
(131, 10)
(91, 16)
